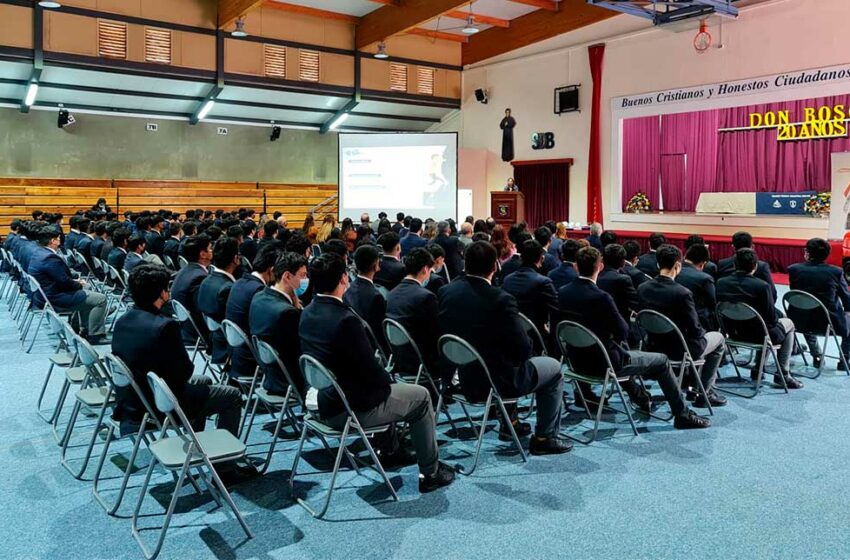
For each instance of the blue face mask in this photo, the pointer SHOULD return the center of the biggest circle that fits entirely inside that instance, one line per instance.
(302, 287)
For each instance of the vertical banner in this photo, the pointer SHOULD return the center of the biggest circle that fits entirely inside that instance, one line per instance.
(839, 214)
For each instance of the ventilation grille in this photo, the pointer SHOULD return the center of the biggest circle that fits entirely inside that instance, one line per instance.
(274, 61)
(426, 81)
(112, 38)
(398, 77)
(157, 45)
(309, 66)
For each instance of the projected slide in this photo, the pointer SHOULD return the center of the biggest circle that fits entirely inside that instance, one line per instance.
(411, 173)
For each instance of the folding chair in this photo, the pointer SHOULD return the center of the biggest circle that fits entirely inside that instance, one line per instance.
(33, 311)
(120, 376)
(218, 368)
(320, 378)
(236, 338)
(656, 326)
(182, 262)
(575, 339)
(64, 356)
(182, 451)
(737, 320)
(811, 318)
(183, 316)
(169, 263)
(539, 350)
(269, 357)
(459, 353)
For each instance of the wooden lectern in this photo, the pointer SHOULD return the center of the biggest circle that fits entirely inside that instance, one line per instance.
(507, 208)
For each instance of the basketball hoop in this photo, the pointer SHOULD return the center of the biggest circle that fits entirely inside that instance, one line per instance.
(702, 41)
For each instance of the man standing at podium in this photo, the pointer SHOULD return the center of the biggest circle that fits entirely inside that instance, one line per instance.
(510, 186)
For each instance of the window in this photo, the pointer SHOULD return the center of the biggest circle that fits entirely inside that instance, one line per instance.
(274, 61)
(426, 81)
(309, 66)
(398, 77)
(157, 45)
(111, 38)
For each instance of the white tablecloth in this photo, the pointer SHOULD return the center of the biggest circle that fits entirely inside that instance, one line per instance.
(726, 203)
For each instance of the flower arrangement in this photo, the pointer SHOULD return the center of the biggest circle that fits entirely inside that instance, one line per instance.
(818, 204)
(639, 203)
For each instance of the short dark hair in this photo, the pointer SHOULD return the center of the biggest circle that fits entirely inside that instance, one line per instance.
(480, 259)
(818, 249)
(337, 246)
(656, 240)
(399, 216)
(742, 240)
(194, 245)
(614, 255)
(543, 235)
(388, 241)
(147, 282)
(298, 243)
(288, 262)
(569, 248)
(608, 237)
(46, 233)
(436, 251)
(270, 229)
(190, 228)
(326, 272)
(224, 251)
(632, 249)
(416, 260)
(694, 239)
(586, 261)
(120, 236)
(235, 232)
(266, 257)
(667, 256)
(136, 240)
(365, 257)
(415, 225)
(531, 251)
(746, 260)
(697, 253)
(174, 228)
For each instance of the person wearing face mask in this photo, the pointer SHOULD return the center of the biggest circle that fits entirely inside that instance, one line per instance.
(363, 297)
(437, 280)
(147, 340)
(214, 291)
(242, 363)
(273, 318)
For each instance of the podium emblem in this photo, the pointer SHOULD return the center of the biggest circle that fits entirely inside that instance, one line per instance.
(503, 210)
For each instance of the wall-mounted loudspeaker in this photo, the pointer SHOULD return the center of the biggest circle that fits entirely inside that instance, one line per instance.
(481, 95)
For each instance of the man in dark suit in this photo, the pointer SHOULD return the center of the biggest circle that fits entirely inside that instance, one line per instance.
(154, 238)
(630, 267)
(488, 319)
(664, 295)
(171, 249)
(63, 291)
(693, 277)
(710, 268)
(543, 235)
(619, 285)
(647, 262)
(198, 252)
(727, 267)
(135, 248)
(585, 303)
(146, 340)
(214, 291)
(391, 271)
(242, 363)
(744, 287)
(415, 308)
(413, 239)
(71, 239)
(452, 247)
(827, 283)
(363, 297)
(333, 334)
(100, 238)
(438, 278)
(399, 223)
(118, 255)
(84, 243)
(515, 262)
(535, 293)
(594, 238)
(566, 271)
(249, 248)
(9, 242)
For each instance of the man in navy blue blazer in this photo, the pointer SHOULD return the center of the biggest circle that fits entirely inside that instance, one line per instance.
(726, 267)
(413, 239)
(171, 248)
(583, 302)
(827, 283)
(701, 285)
(647, 262)
(62, 290)
(118, 255)
(566, 271)
(594, 238)
(535, 293)
(214, 291)
(543, 235)
(135, 249)
(71, 239)
(391, 271)
(620, 286)
(362, 295)
(452, 247)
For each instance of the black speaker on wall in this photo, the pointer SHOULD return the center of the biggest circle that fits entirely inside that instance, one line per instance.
(566, 99)
(481, 95)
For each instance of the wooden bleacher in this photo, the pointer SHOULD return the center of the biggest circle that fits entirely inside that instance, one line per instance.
(20, 196)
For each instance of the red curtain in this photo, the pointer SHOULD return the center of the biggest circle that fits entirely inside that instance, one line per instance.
(596, 55)
(641, 161)
(546, 187)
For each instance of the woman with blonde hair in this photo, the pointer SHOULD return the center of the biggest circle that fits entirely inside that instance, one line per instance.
(328, 225)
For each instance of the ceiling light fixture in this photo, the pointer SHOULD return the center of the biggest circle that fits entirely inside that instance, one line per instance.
(205, 110)
(240, 28)
(51, 5)
(32, 92)
(470, 28)
(382, 51)
(338, 121)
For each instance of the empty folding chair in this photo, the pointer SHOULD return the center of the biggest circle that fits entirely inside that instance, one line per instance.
(64, 356)
(34, 311)
(179, 449)
(812, 319)
(460, 354)
(577, 341)
(320, 378)
(744, 328)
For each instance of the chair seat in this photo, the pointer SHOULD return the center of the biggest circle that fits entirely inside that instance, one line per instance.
(697, 363)
(461, 399)
(75, 375)
(93, 396)
(219, 445)
(275, 400)
(62, 359)
(569, 374)
(318, 426)
(751, 345)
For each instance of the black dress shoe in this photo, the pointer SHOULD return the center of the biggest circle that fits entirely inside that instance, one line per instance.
(522, 430)
(714, 399)
(401, 457)
(99, 340)
(817, 361)
(549, 446)
(789, 381)
(444, 476)
(690, 420)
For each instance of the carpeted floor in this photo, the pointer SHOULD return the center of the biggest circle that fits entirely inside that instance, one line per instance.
(768, 480)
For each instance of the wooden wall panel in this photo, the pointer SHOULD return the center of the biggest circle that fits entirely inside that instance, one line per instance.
(375, 74)
(295, 201)
(70, 33)
(425, 48)
(182, 195)
(244, 57)
(19, 197)
(197, 13)
(336, 69)
(196, 51)
(15, 26)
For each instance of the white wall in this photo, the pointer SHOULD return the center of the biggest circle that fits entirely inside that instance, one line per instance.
(769, 37)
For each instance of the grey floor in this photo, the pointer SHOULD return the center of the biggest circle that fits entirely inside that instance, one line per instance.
(769, 480)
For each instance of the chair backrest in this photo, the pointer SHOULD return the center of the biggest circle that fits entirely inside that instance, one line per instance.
(212, 324)
(737, 321)
(656, 326)
(460, 353)
(35, 287)
(320, 378)
(270, 357)
(182, 262)
(246, 263)
(168, 262)
(533, 333)
(400, 340)
(809, 315)
(180, 311)
(122, 376)
(235, 336)
(167, 404)
(382, 290)
(577, 340)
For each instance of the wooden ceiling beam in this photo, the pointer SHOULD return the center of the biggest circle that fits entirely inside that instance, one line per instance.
(438, 34)
(230, 10)
(391, 20)
(479, 18)
(308, 11)
(550, 5)
(533, 28)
